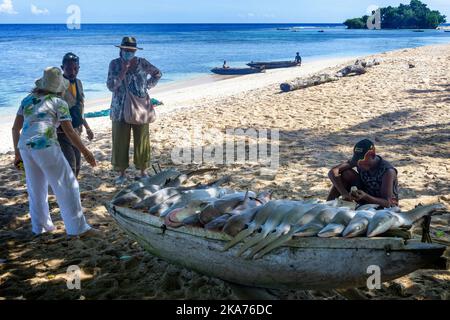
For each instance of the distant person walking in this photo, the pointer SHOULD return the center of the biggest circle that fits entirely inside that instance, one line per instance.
(36, 145)
(74, 96)
(132, 76)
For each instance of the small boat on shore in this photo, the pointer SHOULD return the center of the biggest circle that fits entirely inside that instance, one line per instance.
(274, 64)
(236, 71)
(305, 263)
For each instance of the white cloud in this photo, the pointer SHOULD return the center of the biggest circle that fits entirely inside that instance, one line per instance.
(36, 11)
(7, 7)
(251, 15)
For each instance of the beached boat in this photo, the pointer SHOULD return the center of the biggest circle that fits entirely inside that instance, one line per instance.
(306, 263)
(236, 71)
(273, 64)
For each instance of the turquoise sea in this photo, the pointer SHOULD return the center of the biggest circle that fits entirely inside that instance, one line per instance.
(181, 51)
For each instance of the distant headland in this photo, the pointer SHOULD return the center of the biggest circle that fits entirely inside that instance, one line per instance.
(416, 15)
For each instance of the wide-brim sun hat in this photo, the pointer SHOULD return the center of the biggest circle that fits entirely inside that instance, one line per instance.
(52, 81)
(129, 43)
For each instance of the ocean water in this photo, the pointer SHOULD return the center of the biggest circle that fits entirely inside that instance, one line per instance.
(181, 51)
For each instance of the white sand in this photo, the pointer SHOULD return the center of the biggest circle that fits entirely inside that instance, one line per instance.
(192, 92)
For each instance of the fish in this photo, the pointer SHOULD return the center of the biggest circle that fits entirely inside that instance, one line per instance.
(183, 177)
(369, 206)
(133, 197)
(224, 205)
(385, 220)
(218, 223)
(259, 219)
(322, 219)
(341, 203)
(271, 223)
(291, 218)
(176, 217)
(184, 197)
(161, 178)
(132, 187)
(157, 198)
(275, 244)
(186, 194)
(238, 222)
(358, 225)
(264, 196)
(304, 219)
(337, 224)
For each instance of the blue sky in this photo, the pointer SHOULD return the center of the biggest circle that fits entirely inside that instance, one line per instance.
(195, 11)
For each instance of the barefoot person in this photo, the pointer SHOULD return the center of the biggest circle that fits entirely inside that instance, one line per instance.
(36, 145)
(136, 75)
(74, 97)
(375, 178)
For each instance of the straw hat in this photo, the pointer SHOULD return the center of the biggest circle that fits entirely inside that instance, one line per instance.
(52, 81)
(129, 43)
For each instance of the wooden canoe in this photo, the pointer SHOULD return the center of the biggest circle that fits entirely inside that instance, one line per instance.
(306, 263)
(235, 71)
(274, 64)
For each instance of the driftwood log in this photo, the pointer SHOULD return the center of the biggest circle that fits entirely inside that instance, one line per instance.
(302, 83)
(358, 68)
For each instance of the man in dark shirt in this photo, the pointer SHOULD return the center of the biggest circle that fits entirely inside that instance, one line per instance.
(375, 178)
(298, 59)
(74, 96)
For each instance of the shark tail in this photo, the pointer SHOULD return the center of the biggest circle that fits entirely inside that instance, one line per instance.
(239, 237)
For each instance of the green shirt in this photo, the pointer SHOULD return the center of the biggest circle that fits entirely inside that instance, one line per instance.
(42, 115)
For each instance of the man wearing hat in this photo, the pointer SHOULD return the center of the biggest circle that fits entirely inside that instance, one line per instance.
(135, 75)
(375, 178)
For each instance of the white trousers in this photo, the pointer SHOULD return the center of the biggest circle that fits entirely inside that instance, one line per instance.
(49, 166)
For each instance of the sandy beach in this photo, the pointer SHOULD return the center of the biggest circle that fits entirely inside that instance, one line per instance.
(406, 111)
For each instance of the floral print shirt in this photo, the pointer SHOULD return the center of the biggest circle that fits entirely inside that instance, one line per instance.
(139, 80)
(42, 115)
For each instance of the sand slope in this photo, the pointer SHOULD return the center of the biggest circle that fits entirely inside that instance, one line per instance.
(405, 110)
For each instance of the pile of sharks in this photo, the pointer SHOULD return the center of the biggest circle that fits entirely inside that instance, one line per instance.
(258, 222)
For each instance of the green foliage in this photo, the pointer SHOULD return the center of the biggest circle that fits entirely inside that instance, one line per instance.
(416, 15)
(356, 23)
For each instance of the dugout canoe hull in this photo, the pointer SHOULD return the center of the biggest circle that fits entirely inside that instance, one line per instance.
(306, 263)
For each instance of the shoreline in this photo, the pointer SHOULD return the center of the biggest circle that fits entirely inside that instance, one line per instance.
(187, 93)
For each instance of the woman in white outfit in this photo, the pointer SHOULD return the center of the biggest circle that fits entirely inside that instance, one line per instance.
(36, 145)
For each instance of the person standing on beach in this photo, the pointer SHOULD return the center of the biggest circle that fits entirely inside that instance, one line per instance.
(375, 178)
(36, 147)
(74, 97)
(135, 75)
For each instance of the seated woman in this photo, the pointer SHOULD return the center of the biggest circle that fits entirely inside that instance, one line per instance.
(298, 59)
(36, 145)
(375, 178)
